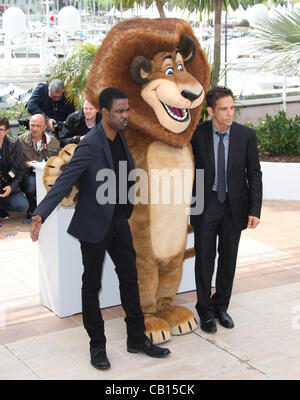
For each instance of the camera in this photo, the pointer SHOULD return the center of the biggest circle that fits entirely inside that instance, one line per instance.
(5, 180)
(57, 126)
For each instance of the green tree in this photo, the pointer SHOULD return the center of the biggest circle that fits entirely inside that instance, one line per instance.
(128, 4)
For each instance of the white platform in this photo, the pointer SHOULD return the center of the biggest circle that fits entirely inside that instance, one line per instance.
(280, 181)
(60, 265)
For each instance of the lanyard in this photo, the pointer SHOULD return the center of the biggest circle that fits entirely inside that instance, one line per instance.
(35, 154)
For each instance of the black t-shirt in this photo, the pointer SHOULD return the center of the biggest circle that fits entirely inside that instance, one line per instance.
(85, 129)
(118, 154)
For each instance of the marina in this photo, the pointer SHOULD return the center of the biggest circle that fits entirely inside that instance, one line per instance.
(32, 45)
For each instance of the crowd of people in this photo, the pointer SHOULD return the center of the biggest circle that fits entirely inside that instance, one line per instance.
(54, 123)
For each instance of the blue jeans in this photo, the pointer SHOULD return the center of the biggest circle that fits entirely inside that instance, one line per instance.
(14, 202)
(29, 188)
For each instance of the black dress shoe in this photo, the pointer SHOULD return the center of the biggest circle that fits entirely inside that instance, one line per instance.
(148, 348)
(225, 319)
(99, 358)
(208, 325)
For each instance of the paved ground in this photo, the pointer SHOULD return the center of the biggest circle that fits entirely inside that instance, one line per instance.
(265, 344)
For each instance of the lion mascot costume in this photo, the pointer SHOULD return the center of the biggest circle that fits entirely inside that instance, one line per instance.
(161, 67)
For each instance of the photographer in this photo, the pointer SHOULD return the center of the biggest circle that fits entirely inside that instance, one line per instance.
(11, 173)
(37, 145)
(50, 101)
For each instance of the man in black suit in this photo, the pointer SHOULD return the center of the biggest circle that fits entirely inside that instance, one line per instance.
(227, 152)
(102, 225)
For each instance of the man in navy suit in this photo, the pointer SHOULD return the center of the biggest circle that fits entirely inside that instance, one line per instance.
(50, 101)
(227, 152)
(102, 226)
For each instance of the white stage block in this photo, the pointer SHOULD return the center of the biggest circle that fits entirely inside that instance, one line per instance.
(60, 264)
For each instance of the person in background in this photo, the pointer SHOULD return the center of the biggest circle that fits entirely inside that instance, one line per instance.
(37, 145)
(11, 173)
(78, 124)
(50, 101)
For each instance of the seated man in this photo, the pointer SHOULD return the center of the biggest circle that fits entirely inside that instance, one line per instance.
(50, 101)
(11, 173)
(78, 124)
(37, 145)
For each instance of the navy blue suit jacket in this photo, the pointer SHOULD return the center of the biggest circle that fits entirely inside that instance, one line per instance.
(40, 103)
(91, 220)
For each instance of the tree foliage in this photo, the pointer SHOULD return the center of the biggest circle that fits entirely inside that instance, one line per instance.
(280, 37)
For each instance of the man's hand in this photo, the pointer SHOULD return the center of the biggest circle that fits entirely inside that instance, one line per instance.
(36, 224)
(30, 163)
(50, 124)
(252, 222)
(7, 191)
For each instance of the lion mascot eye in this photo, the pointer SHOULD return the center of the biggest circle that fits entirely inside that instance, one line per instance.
(180, 67)
(169, 71)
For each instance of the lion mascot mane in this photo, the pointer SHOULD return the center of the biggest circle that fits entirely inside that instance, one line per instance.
(161, 67)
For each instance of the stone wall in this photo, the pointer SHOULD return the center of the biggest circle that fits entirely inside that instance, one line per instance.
(253, 111)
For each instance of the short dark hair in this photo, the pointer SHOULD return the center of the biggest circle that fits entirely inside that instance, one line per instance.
(4, 121)
(217, 93)
(108, 95)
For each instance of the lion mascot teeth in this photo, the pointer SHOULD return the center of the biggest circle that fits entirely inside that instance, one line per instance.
(161, 67)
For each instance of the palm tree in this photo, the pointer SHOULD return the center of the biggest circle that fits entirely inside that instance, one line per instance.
(128, 4)
(280, 37)
(217, 6)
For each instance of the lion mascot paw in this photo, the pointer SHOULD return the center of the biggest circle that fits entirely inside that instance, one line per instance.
(53, 169)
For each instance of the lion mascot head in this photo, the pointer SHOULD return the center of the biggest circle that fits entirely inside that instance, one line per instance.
(161, 67)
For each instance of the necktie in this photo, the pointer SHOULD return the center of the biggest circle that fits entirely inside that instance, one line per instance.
(221, 190)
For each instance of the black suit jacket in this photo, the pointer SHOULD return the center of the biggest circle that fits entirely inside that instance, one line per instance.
(244, 177)
(91, 220)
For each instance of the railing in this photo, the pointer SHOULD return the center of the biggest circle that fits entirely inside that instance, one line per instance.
(25, 78)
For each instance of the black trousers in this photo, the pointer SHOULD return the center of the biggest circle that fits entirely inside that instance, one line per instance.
(118, 243)
(215, 221)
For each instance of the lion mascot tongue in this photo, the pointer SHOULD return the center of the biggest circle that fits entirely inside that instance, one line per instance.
(161, 67)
